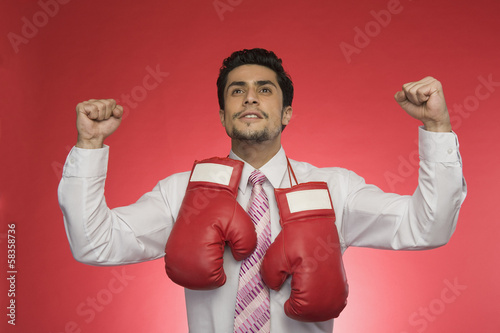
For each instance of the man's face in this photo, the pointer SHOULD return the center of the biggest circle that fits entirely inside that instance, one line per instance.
(254, 105)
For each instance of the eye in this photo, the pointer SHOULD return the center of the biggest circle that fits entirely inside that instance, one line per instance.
(236, 91)
(265, 90)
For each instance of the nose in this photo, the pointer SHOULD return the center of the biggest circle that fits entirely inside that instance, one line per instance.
(251, 98)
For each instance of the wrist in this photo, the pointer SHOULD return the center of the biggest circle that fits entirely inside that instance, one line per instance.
(436, 126)
(89, 143)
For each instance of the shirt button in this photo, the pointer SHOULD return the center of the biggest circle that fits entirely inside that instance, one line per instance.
(450, 151)
(72, 160)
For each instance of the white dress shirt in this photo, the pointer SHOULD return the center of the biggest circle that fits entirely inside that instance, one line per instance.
(365, 216)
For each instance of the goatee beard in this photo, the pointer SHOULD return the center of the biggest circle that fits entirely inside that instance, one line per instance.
(253, 136)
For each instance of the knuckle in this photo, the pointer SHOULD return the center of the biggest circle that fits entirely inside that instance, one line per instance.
(99, 106)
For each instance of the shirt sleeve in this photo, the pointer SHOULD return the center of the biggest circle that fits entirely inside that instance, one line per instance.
(426, 219)
(99, 235)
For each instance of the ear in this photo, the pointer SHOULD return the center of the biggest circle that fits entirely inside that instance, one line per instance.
(286, 115)
(222, 116)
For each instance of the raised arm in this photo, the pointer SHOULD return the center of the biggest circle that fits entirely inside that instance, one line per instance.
(428, 218)
(97, 234)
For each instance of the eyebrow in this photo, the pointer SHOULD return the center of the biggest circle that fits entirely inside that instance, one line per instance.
(243, 83)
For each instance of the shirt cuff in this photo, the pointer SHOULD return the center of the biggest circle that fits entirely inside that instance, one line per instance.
(438, 146)
(86, 162)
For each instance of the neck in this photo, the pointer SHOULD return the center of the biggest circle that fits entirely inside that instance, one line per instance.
(255, 153)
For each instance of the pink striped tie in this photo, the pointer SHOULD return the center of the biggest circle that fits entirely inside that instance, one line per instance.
(252, 312)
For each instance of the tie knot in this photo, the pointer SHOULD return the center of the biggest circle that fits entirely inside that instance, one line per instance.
(257, 178)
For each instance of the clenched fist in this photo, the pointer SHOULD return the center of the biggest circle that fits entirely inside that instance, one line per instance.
(424, 100)
(96, 120)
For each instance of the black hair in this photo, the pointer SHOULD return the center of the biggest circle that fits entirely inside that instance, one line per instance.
(255, 56)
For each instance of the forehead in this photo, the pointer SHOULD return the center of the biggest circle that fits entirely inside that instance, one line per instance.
(251, 73)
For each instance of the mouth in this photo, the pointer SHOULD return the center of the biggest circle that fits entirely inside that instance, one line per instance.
(250, 114)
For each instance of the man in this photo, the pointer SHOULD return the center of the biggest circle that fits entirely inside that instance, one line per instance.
(255, 97)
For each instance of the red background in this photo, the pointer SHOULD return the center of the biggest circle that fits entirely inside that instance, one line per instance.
(344, 115)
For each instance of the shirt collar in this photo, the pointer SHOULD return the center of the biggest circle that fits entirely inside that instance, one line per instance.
(274, 169)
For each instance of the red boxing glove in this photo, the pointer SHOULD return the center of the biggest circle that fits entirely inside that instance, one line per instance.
(209, 218)
(308, 249)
